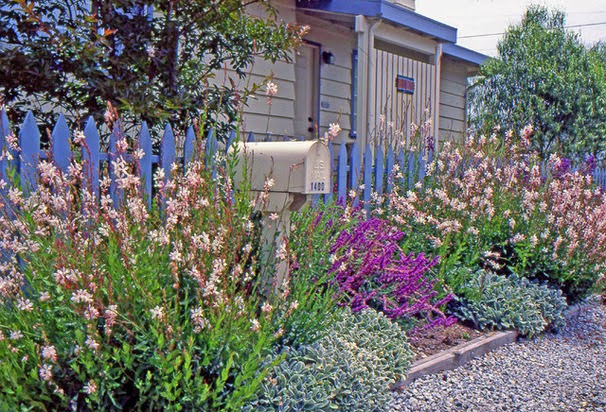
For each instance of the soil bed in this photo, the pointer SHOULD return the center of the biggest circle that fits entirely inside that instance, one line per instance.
(426, 342)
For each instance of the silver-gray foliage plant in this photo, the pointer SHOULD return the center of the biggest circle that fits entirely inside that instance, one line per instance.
(512, 302)
(349, 369)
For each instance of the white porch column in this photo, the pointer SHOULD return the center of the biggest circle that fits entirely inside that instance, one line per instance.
(436, 102)
(366, 77)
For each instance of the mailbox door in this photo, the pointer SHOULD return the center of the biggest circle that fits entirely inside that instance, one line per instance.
(318, 168)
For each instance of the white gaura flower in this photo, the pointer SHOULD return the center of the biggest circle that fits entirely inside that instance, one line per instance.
(157, 313)
(271, 89)
(333, 130)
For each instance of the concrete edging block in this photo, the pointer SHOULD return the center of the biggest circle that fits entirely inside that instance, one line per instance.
(456, 356)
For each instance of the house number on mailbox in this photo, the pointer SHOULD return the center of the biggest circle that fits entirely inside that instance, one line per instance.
(317, 178)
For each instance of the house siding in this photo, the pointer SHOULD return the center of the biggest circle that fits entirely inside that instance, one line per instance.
(257, 115)
(396, 52)
(453, 93)
(335, 79)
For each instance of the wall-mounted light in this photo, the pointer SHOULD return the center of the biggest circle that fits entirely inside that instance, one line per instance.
(328, 57)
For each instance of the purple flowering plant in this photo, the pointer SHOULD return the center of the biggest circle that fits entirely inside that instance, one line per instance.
(371, 270)
(315, 229)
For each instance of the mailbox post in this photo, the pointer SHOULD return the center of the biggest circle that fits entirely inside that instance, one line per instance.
(298, 169)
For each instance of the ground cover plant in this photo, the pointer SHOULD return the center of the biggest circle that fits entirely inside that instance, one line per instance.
(109, 305)
(491, 301)
(349, 369)
(493, 203)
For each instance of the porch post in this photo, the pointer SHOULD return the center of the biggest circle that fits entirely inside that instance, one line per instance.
(436, 100)
(366, 77)
(361, 28)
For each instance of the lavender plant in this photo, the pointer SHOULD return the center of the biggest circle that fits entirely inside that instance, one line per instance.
(106, 304)
(371, 270)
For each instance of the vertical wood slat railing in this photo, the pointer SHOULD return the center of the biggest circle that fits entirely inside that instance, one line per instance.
(364, 175)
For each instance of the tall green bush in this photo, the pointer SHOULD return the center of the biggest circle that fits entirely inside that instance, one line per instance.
(545, 76)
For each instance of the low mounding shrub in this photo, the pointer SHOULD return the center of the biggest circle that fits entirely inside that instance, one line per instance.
(494, 203)
(106, 304)
(371, 270)
(349, 369)
(492, 301)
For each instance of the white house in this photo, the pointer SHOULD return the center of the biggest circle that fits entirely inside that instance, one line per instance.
(355, 55)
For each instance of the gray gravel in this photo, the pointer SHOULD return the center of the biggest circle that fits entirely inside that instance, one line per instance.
(565, 371)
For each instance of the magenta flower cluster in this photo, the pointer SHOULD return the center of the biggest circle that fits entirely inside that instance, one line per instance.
(371, 270)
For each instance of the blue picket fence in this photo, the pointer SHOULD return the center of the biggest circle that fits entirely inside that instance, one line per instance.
(349, 171)
(364, 175)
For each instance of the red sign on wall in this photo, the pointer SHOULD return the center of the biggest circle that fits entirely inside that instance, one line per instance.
(405, 84)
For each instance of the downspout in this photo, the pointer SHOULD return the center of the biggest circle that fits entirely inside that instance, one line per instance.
(366, 77)
(436, 100)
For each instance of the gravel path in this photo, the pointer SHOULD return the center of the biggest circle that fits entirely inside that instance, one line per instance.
(554, 372)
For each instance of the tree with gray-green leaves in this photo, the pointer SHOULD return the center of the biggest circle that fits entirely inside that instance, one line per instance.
(544, 76)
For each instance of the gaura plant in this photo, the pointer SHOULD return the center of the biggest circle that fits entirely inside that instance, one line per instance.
(493, 203)
(107, 304)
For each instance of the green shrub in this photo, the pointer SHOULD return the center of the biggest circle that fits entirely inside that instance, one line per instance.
(349, 369)
(114, 306)
(492, 301)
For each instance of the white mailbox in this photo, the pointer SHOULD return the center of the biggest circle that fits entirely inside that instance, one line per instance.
(298, 169)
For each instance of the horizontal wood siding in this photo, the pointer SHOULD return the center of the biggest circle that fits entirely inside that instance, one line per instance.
(335, 81)
(400, 108)
(257, 111)
(453, 111)
(275, 126)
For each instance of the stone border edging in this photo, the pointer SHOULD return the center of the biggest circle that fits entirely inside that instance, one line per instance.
(456, 356)
(463, 353)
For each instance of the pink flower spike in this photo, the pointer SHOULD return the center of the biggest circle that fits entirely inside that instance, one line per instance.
(45, 373)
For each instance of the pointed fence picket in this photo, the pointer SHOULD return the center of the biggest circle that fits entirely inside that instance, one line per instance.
(29, 142)
(372, 173)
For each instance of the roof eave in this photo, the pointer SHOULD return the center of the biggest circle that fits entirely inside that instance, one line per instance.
(388, 11)
(461, 53)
